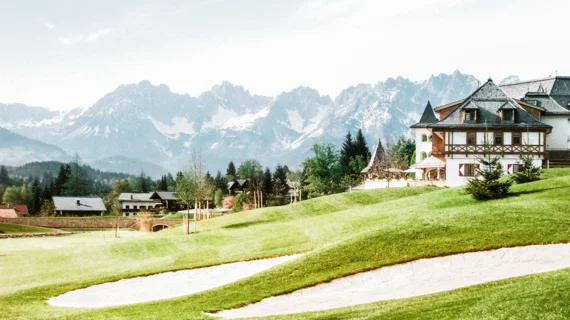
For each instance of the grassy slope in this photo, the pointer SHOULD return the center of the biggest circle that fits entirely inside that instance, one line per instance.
(18, 228)
(344, 233)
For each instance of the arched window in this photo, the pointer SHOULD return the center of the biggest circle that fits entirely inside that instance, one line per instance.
(424, 138)
(429, 138)
(424, 155)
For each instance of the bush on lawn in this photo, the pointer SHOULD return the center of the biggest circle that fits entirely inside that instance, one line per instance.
(489, 187)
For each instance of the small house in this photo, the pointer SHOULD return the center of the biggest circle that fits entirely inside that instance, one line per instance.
(132, 203)
(13, 211)
(238, 186)
(169, 200)
(78, 207)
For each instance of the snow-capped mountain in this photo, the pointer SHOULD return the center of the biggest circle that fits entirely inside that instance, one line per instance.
(151, 124)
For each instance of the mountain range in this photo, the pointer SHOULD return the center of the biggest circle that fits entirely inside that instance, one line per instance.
(147, 127)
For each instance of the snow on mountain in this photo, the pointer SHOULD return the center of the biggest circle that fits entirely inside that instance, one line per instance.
(151, 124)
(510, 79)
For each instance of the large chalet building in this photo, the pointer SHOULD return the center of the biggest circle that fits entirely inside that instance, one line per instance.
(529, 117)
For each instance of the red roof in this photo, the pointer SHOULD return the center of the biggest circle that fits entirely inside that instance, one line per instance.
(20, 209)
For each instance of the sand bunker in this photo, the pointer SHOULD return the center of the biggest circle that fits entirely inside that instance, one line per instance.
(164, 285)
(413, 279)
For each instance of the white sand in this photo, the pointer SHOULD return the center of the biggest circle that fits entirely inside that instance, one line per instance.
(413, 279)
(164, 285)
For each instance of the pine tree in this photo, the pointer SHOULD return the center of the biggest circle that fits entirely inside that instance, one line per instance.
(221, 183)
(267, 182)
(528, 172)
(231, 172)
(78, 183)
(36, 203)
(4, 178)
(61, 180)
(360, 147)
(170, 182)
(489, 187)
(280, 180)
(346, 154)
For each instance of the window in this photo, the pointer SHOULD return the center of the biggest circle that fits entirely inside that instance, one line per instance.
(424, 138)
(127, 207)
(508, 115)
(424, 155)
(135, 207)
(516, 138)
(429, 138)
(470, 116)
(516, 167)
(143, 207)
(498, 138)
(469, 170)
(471, 138)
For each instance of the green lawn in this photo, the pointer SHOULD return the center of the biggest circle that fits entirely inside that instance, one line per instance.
(18, 228)
(342, 234)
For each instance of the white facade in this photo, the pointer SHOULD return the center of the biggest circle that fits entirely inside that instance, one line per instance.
(423, 148)
(558, 138)
(452, 166)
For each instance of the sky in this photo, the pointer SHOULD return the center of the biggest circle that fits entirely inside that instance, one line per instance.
(65, 54)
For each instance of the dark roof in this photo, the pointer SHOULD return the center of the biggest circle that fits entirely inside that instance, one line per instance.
(428, 117)
(545, 101)
(240, 183)
(488, 99)
(166, 195)
(20, 209)
(377, 154)
(85, 204)
(558, 88)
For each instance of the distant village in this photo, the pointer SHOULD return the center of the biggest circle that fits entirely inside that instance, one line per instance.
(513, 122)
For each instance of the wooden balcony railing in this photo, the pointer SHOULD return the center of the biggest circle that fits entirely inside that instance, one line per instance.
(498, 149)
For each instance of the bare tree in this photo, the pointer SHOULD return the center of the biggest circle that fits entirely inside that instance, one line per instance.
(295, 178)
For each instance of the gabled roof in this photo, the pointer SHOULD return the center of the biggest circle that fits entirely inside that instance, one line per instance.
(165, 195)
(135, 196)
(85, 204)
(428, 117)
(8, 213)
(518, 90)
(545, 101)
(240, 183)
(508, 106)
(488, 99)
(376, 156)
(20, 209)
(431, 162)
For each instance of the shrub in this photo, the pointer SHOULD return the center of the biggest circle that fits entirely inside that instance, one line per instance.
(528, 172)
(228, 202)
(275, 201)
(489, 187)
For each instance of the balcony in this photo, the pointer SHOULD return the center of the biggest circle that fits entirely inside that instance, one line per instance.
(496, 149)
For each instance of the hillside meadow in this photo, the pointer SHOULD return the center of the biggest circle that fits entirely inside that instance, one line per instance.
(341, 235)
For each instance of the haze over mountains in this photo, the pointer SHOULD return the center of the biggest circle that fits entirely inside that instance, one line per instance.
(148, 127)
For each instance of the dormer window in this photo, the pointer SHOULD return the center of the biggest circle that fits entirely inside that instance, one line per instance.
(509, 115)
(470, 113)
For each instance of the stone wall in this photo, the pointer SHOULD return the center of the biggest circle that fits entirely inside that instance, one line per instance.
(90, 223)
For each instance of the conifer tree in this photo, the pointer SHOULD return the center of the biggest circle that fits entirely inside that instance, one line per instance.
(528, 172)
(78, 183)
(489, 187)
(36, 201)
(346, 154)
(280, 180)
(4, 178)
(267, 182)
(231, 172)
(61, 180)
(360, 146)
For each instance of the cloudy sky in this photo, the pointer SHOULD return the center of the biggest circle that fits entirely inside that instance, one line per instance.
(64, 54)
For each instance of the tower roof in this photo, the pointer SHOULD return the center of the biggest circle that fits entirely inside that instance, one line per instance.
(428, 117)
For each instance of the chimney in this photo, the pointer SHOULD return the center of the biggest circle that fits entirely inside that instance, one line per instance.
(131, 197)
(78, 202)
(9, 206)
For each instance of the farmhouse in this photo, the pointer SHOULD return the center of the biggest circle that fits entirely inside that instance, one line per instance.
(168, 200)
(132, 203)
(522, 118)
(238, 186)
(78, 207)
(13, 211)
